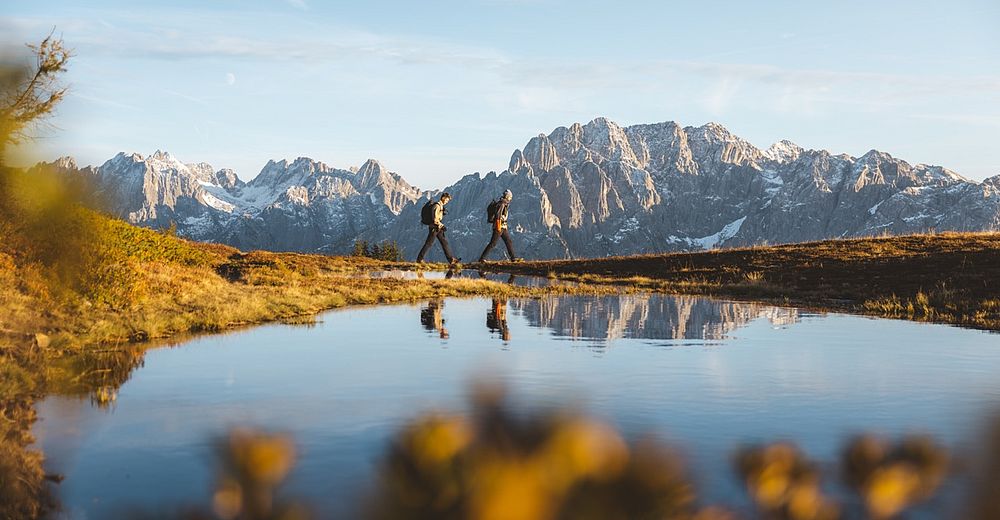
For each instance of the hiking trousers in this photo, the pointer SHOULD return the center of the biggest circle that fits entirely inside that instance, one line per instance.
(432, 233)
(497, 235)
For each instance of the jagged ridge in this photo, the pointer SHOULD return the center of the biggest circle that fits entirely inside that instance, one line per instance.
(583, 190)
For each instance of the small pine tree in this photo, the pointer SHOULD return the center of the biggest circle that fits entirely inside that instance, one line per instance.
(386, 250)
(171, 230)
(390, 252)
(360, 248)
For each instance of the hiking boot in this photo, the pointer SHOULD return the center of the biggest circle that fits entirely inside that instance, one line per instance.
(516, 259)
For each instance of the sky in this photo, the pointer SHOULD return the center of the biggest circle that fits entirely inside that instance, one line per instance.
(439, 89)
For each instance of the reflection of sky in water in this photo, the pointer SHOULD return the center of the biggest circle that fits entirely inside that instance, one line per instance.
(345, 384)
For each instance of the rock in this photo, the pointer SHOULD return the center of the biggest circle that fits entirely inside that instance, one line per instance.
(41, 340)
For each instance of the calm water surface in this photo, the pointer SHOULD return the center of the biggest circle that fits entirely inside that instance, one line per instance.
(704, 374)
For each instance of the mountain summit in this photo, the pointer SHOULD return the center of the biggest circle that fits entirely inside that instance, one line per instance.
(590, 189)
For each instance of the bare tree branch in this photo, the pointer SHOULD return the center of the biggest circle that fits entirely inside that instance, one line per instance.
(29, 96)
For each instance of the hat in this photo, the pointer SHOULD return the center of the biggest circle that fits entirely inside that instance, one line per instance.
(507, 194)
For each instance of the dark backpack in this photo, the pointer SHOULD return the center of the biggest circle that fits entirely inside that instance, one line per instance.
(492, 211)
(427, 213)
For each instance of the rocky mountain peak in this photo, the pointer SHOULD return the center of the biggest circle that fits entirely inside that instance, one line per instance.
(384, 185)
(517, 161)
(160, 155)
(228, 179)
(783, 151)
(715, 145)
(370, 165)
(65, 163)
(125, 157)
(713, 131)
(607, 139)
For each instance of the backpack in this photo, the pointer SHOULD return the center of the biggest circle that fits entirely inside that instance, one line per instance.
(427, 213)
(492, 210)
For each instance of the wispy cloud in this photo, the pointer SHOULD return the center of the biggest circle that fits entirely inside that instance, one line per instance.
(102, 101)
(175, 44)
(194, 99)
(965, 119)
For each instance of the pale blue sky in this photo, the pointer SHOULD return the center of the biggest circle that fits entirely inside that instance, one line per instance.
(439, 89)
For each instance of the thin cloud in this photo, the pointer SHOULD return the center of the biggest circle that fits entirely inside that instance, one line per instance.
(966, 119)
(191, 45)
(193, 99)
(102, 101)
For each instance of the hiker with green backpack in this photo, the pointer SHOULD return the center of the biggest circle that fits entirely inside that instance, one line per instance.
(431, 215)
(496, 214)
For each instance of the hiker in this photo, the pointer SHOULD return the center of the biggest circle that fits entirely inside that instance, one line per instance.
(496, 214)
(431, 215)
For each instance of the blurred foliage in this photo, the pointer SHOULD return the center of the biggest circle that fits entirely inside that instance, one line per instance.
(890, 477)
(498, 464)
(252, 464)
(30, 94)
(388, 251)
(783, 483)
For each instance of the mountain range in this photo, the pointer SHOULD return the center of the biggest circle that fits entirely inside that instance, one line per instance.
(581, 191)
(652, 317)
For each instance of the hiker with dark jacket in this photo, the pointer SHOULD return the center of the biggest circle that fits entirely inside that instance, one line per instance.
(432, 214)
(497, 213)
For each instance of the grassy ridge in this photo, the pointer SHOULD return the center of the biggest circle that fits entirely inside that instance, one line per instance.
(947, 277)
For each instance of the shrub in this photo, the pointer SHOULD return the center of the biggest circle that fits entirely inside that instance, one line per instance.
(388, 251)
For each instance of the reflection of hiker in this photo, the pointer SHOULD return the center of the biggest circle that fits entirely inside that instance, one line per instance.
(432, 318)
(496, 318)
(496, 213)
(431, 215)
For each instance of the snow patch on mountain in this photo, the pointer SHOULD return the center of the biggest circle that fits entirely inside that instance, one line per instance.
(728, 231)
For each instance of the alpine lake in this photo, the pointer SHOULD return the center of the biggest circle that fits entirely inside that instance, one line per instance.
(704, 375)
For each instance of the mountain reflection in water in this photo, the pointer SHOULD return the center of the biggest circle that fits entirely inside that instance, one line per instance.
(345, 386)
(655, 316)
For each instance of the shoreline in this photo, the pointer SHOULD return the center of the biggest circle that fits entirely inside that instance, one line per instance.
(942, 278)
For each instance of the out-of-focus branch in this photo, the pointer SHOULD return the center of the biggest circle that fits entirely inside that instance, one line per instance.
(29, 95)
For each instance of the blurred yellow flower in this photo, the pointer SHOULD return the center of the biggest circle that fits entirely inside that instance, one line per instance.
(891, 489)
